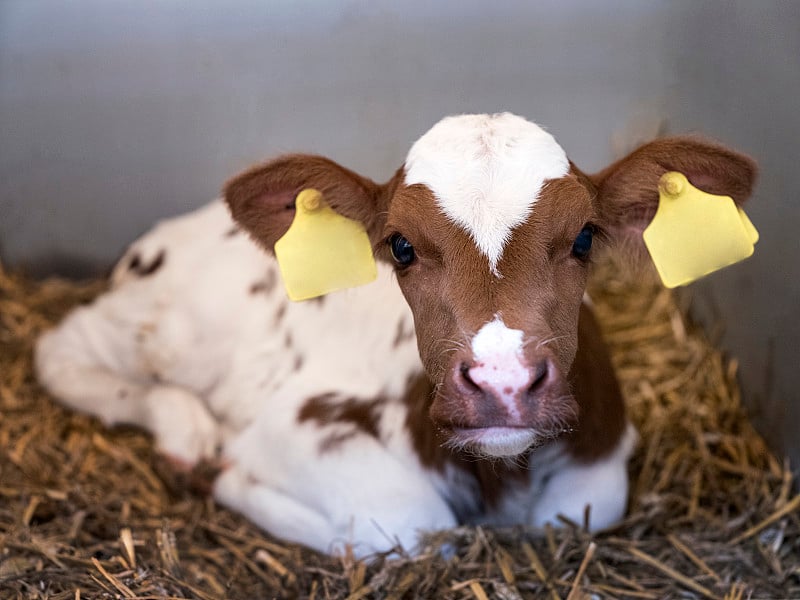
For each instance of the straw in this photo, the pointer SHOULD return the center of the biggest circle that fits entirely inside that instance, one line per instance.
(88, 512)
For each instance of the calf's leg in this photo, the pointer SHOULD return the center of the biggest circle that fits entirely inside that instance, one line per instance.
(90, 363)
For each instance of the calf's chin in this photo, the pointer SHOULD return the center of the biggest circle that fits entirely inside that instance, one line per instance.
(494, 442)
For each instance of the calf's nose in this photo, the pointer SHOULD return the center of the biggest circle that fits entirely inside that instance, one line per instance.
(513, 385)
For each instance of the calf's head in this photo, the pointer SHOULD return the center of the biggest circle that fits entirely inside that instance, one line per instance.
(491, 230)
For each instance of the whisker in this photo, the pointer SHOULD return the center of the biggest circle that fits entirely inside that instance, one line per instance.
(544, 342)
(449, 346)
(551, 340)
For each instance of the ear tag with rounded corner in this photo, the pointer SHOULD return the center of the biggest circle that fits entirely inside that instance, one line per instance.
(694, 233)
(322, 251)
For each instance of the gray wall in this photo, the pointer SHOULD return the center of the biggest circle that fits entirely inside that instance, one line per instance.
(113, 114)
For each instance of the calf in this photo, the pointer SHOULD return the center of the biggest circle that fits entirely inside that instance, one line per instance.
(330, 427)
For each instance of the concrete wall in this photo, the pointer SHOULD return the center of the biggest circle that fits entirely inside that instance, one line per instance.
(113, 114)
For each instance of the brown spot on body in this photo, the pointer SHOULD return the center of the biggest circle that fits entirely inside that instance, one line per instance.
(233, 231)
(404, 333)
(298, 363)
(331, 409)
(258, 286)
(266, 285)
(335, 440)
(279, 314)
(136, 265)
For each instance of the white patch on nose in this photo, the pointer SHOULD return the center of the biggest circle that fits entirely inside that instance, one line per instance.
(499, 363)
(486, 172)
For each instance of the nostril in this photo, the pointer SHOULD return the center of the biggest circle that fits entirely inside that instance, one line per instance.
(464, 369)
(539, 376)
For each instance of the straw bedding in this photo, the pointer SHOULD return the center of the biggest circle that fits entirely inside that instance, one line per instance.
(87, 512)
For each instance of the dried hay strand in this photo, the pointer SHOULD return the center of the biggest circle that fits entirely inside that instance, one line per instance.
(88, 512)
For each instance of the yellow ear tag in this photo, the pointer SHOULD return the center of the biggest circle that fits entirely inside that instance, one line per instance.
(322, 251)
(694, 233)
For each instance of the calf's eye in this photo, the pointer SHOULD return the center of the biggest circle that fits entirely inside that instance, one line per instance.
(402, 250)
(583, 243)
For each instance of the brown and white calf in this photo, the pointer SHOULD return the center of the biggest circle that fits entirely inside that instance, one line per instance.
(331, 428)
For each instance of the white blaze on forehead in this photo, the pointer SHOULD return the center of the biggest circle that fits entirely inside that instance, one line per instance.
(486, 172)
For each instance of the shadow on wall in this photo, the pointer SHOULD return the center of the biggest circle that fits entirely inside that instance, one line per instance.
(61, 265)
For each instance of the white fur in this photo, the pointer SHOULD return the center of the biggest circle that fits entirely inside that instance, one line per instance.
(190, 354)
(486, 172)
(569, 486)
(369, 493)
(562, 485)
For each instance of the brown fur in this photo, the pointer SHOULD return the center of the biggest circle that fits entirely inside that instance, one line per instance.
(258, 287)
(262, 198)
(328, 409)
(403, 334)
(279, 314)
(426, 439)
(143, 270)
(601, 419)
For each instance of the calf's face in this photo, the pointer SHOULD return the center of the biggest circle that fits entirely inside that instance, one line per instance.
(491, 235)
(490, 229)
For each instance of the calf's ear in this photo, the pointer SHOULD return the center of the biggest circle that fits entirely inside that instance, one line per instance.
(627, 191)
(262, 198)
